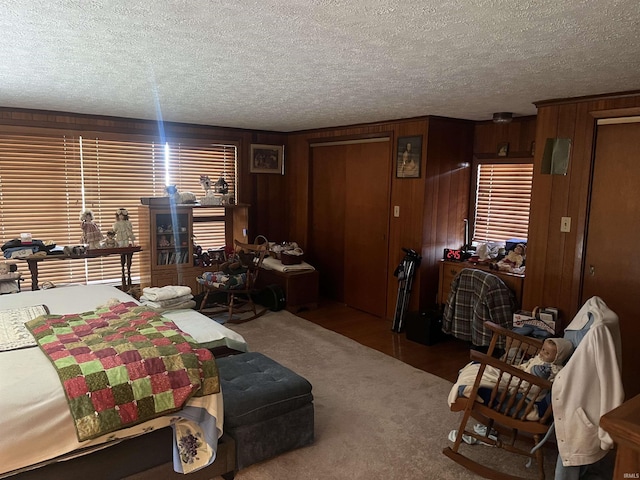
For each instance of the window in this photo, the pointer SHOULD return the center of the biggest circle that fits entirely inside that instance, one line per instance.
(503, 198)
(47, 180)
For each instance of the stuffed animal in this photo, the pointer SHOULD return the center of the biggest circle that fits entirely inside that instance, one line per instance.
(177, 197)
(91, 234)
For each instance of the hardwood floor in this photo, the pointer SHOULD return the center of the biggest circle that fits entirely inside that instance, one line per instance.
(443, 359)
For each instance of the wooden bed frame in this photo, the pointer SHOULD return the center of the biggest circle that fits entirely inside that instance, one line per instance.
(147, 457)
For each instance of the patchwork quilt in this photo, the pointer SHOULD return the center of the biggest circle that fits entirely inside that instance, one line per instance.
(122, 365)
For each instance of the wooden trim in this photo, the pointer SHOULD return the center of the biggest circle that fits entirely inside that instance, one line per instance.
(587, 98)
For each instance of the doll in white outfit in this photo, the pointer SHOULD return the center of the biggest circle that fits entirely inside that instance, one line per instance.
(123, 228)
(551, 358)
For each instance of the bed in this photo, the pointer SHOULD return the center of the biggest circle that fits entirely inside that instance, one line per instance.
(37, 428)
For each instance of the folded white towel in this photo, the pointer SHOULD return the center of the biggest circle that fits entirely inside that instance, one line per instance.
(186, 305)
(165, 303)
(163, 293)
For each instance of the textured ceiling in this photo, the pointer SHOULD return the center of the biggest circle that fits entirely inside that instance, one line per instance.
(301, 64)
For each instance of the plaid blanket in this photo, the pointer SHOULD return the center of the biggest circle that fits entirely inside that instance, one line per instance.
(123, 365)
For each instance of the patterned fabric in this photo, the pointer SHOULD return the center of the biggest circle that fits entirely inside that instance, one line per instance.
(123, 365)
(223, 280)
(476, 297)
(13, 332)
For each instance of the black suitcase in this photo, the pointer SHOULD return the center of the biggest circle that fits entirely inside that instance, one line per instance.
(272, 297)
(424, 327)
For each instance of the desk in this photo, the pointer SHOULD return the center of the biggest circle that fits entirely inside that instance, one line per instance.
(623, 424)
(449, 269)
(126, 257)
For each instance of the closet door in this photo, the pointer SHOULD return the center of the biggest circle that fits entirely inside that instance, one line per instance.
(611, 265)
(350, 211)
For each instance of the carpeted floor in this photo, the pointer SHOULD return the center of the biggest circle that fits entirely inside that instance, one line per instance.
(376, 417)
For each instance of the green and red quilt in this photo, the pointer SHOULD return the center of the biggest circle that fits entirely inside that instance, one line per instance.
(122, 365)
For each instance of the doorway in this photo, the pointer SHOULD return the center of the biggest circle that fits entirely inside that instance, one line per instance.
(611, 265)
(349, 207)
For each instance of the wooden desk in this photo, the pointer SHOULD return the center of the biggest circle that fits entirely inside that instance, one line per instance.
(449, 269)
(300, 287)
(126, 257)
(623, 424)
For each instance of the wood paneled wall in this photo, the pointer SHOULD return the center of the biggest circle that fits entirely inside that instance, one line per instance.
(519, 134)
(554, 259)
(431, 208)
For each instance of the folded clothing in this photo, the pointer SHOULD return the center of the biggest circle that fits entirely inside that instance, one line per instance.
(164, 293)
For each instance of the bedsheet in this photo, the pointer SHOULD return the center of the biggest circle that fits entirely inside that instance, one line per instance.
(35, 420)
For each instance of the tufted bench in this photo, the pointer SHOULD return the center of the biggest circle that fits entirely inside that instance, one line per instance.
(268, 409)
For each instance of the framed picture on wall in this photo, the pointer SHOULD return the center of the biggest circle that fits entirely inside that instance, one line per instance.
(267, 159)
(409, 157)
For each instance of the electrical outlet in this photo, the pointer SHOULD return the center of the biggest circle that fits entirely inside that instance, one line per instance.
(565, 224)
(396, 211)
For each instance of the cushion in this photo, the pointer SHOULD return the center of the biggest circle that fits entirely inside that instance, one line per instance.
(256, 388)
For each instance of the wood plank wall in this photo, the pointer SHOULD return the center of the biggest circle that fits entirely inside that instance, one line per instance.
(431, 208)
(554, 259)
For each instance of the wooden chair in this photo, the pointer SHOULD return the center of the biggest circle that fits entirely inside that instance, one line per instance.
(237, 299)
(508, 400)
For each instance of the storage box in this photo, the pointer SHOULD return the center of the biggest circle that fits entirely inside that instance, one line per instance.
(546, 321)
(521, 317)
(424, 327)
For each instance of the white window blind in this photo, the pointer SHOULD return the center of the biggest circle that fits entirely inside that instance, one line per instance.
(503, 199)
(46, 179)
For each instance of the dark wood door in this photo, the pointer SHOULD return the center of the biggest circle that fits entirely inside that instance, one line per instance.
(357, 193)
(611, 263)
(328, 177)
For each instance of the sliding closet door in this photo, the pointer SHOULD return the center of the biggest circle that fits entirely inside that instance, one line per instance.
(611, 268)
(350, 219)
(328, 177)
(366, 226)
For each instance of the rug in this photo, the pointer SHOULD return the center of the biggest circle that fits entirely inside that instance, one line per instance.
(375, 417)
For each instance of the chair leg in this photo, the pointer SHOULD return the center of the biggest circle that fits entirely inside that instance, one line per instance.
(204, 299)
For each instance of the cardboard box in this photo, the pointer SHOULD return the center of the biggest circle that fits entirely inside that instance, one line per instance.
(521, 317)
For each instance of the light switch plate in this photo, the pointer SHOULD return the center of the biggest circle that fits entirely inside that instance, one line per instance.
(565, 224)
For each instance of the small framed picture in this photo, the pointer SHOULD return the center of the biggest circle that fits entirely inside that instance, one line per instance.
(267, 159)
(503, 149)
(409, 157)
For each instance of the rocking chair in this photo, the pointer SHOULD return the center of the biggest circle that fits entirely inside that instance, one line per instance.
(235, 295)
(506, 400)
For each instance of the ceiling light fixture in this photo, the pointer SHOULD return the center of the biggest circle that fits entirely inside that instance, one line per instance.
(502, 117)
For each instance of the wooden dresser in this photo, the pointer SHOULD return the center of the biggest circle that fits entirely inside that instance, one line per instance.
(623, 424)
(449, 269)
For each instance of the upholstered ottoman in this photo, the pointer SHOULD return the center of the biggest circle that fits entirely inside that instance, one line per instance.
(268, 409)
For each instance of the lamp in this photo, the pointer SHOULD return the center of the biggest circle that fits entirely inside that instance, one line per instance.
(502, 117)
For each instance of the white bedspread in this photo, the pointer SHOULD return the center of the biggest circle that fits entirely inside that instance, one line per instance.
(35, 421)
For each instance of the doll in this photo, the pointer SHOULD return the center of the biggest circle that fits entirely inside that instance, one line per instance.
(110, 241)
(123, 228)
(91, 234)
(513, 261)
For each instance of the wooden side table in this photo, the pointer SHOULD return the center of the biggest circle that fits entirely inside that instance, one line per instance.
(300, 287)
